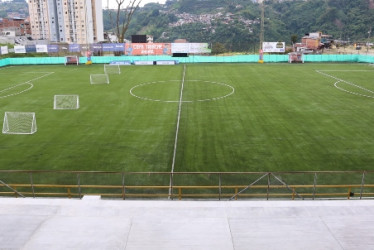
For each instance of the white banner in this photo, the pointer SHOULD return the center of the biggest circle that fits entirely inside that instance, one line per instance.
(190, 48)
(143, 62)
(4, 50)
(199, 48)
(180, 48)
(41, 48)
(277, 47)
(19, 49)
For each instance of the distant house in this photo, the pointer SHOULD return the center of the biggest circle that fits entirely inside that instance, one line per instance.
(20, 26)
(311, 42)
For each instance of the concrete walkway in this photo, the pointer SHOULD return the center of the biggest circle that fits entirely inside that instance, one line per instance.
(92, 223)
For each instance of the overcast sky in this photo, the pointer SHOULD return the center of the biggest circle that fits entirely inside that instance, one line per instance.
(113, 2)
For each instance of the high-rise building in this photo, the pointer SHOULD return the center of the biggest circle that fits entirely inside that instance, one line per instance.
(70, 21)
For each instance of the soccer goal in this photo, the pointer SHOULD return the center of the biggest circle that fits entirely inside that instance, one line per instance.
(19, 123)
(112, 69)
(99, 79)
(296, 57)
(71, 60)
(66, 102)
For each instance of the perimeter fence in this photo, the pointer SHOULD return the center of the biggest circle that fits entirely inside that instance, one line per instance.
(350, 58)
(189, 185)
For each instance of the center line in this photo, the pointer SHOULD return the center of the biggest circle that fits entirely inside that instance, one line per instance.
(177, 131)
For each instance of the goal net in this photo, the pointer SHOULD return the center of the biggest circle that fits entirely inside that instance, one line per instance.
(19, 123)
(296, 57)
(66, 102)
(99, 79)
(112, 69)
(71, 60)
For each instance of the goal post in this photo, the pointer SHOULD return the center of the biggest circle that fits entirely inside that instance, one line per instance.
(19, 123)
(71, 60)
(66, 102)
(99, 79)
(112, 69)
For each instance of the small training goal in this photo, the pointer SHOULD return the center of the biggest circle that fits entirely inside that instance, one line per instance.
(112, 69)
(71, 60)
(19, 123)
(296, 57)
(66, 102)
(99, 79)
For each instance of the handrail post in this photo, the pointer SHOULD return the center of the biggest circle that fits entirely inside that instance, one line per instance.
(362, 184)
(314, 185)
(79, 185)
(171, 187)
(268, 188)
(219, 187)
(32, 185)
(123, 186)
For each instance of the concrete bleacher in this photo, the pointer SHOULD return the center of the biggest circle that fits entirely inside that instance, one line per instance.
(93, 223)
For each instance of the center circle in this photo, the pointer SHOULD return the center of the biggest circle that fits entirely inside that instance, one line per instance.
(193, 91)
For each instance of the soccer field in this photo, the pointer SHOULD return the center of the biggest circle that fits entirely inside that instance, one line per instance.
(195, 117)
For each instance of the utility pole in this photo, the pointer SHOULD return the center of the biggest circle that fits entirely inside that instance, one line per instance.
(367, 43)
(262, 31)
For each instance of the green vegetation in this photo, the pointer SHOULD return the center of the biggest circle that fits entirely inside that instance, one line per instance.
(280, 118)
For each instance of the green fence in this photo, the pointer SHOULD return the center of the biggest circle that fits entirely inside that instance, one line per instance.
(192, 59)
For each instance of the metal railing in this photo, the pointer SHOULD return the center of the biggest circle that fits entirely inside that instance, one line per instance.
(189, 185)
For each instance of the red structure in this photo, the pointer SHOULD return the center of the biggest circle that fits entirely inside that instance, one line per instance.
(20, 26)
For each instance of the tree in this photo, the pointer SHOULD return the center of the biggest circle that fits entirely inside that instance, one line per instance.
(294, 38)
(122, 25)
(218, 48)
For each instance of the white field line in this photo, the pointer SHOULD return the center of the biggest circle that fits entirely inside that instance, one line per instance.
(349, 83)
(191, 101)
(24, 83)
(177, 130)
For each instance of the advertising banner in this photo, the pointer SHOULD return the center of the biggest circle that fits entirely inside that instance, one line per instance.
(41, 48)
(180, 48)
(96, 47)
(125, 62)
(137, 49)
(4, 50)
(63, 48)
(52, 48)
(113, 47)
(199, 48)
(30, 48)
(166, 62)
(190, 48)
(143, 62)
(276, 47)
(19, 49)
(74, 48)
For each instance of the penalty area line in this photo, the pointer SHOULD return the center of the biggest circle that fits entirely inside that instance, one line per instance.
(177, 131)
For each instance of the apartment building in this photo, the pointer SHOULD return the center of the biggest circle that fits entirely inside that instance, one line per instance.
(70, 21)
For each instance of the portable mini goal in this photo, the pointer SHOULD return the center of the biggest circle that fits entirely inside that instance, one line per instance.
(19, 123)
(99, 79)
(296, 57)
(66, 102)
(71, 60)
(112, 69)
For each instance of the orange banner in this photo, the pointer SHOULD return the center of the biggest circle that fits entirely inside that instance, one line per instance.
(136, 49)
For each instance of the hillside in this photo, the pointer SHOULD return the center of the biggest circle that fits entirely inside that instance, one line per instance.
(236, 24)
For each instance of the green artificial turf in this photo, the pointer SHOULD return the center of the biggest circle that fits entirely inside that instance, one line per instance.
(233, 117)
